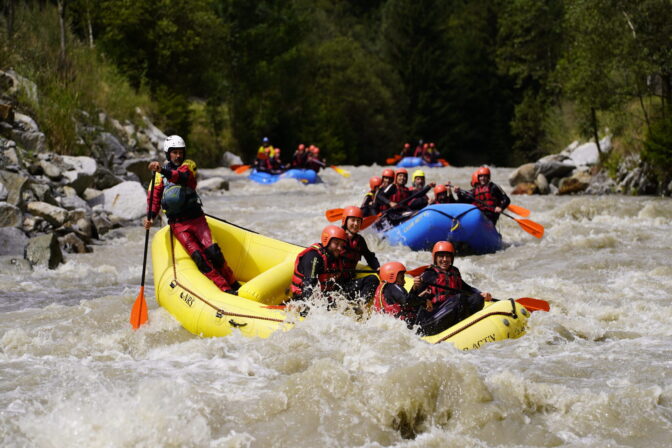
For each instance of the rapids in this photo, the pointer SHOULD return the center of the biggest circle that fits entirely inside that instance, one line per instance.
(593, 372)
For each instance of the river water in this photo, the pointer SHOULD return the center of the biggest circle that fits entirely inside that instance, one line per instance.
(593, 372)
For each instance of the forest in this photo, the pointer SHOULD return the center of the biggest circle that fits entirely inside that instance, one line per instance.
(490, 81)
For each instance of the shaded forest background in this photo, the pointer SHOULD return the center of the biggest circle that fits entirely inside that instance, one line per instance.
(490, 81)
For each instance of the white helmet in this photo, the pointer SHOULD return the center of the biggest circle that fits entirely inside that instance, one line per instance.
(173, 141)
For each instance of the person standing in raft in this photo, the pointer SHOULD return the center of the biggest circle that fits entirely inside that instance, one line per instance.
(368, 205)
(391, 297)
(175, 192)
(486, 195)
(450, 299)
(321, 266)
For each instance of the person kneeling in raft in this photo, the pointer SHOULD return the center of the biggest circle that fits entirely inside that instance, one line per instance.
(175, 192)
(450, 299)
(321, 266)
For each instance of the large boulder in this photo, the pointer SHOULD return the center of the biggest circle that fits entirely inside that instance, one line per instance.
(12, 241)
(10, 215)
(79, 181)
(81, 164)
(13, 83)
(105, 179)
(51, 170)
(542, 184)
(213, 184)
(44, 250)
(578, 183)
(55, 216)
(524, 173)
(109, 146)
(229, 158)
(555, 166)
(128, 200)
(3, 192)
(525, 188)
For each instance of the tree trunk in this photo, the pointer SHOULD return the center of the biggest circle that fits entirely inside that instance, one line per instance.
(666, 86)
(89, 25)
(593, 114)
(8, 11)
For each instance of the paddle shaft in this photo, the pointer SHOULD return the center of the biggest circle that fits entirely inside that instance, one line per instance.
(149, 214)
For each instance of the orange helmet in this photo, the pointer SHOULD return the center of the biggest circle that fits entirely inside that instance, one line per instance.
(375, 181)
(351, 212)
(401, 171)
(431, 145)
(301, 147)
(388, 173)
(390, 271)
(442, 246)
(474, 178)
(316, 150)
(277, 151)
(440, 189)
(331, 232)
(483, 171)
(407, 145)
(425, 146)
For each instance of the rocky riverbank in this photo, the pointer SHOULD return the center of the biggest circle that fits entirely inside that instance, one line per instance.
(578, 169)
(53, 204)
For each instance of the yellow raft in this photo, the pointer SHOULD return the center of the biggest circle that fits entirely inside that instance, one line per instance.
(265, 266)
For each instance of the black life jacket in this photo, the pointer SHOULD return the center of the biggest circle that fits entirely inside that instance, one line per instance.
(483, 193)
(450, 278)
(332, 270)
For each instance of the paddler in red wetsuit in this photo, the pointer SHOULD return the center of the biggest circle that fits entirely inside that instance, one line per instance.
(175, 193)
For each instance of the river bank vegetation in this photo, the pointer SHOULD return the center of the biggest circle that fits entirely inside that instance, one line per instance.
(490, 81)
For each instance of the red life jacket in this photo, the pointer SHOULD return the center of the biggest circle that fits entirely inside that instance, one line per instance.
(333, 270)
(400, 193)
(381, 305)
(353, 251)
(450, 278)
(483, 193)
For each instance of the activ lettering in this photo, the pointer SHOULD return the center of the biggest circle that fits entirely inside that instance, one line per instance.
(488, 338)
(187, 298)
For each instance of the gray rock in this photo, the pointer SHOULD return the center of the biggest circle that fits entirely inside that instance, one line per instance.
(3, 192)
(51, 170)
(12, 241)
(101, 223)
(15, 184)
(31, 141)
(91, 193)
(139, 168)
(43, 193)
(553, 168)
(74, 202)
(10, 215)
(80, 182)
(72, 244)
(524, 173)
(542, 184)
(82, 164)
(229, 158)
(44, 250)
(25, 122)
(128, 200)
(578, 183)
(104, 179)
(12, 155)
(55, 216)
(213, 184)
(15, 83)
(110, 145)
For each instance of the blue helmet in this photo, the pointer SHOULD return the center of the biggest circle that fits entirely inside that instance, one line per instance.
(264, 140)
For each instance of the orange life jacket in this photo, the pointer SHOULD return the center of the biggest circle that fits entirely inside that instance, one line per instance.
(333, 270)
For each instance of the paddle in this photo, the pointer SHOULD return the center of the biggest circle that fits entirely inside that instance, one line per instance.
(334, 214)
(531, 227)
(241, 169)
(518, 210)
(530, 303)
(394, 159)
(340, 170)
(367, 221)
(444, 162)
(139, 310)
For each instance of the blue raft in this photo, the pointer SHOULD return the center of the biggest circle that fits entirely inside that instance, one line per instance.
(303, 176)
(410, 162)
(462, 224)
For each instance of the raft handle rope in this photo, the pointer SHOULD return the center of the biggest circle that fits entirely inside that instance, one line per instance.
(513, 309)
(219, 312)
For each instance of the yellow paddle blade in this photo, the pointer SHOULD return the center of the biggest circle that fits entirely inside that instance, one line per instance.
(340, 171)
(139, 310)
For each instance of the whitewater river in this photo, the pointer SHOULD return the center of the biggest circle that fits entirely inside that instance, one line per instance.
(596, 371)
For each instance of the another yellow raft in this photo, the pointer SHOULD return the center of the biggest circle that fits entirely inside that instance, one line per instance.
(265, 266)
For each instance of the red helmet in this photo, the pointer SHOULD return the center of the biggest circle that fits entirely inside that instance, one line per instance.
(301, 147)
(388, 173)
(316, 150)
(425, 146)
(407, 145)
(474, 178)
(483, 171)
(375, 181)
(390, 271)
(401, 171)
(440, 189)
(277, 151)
(331, 232)
(442, 246)
(431, 145)
(351, 212)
